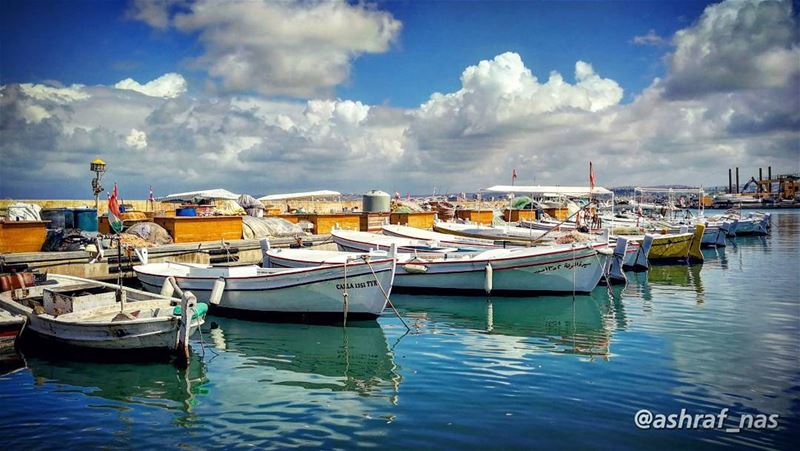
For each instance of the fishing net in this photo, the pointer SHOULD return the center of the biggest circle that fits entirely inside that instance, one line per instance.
(257, 228)
(150, 232)
(521, 203)
(228, 208)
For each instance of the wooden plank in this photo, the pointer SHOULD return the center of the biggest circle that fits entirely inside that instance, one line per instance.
(477, 216)
(188, 229)
(22, 236)
(373, 222)
(419, 219)
(515, 215)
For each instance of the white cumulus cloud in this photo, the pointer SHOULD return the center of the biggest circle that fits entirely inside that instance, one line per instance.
(735, 45)
(136, 139)
(168, 86)
(295, 48)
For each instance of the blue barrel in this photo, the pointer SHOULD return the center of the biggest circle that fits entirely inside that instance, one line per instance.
(60, 218)
(188, 211)
(86, 219)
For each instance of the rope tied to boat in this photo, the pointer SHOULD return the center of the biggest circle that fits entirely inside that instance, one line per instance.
(574, 270)
(385, 295)
(345, 295)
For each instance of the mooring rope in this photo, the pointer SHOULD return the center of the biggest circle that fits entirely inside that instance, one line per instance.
(386, 296)
(345, 295)
(573, 274)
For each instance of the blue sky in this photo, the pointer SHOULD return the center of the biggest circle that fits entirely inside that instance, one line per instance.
(183, 94)
(93, 42)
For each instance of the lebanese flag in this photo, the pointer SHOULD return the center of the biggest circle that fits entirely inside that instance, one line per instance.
(114, 214)
(591, 176)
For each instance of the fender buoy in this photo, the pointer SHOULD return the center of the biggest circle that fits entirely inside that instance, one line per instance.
(487, 284)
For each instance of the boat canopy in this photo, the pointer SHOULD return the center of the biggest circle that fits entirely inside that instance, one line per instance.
(572, 190)
(321, 193)
(669, 190)
(217, 193)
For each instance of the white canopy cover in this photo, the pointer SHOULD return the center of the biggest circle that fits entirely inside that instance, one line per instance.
(217, 193)
(321, 193)
(530, 189)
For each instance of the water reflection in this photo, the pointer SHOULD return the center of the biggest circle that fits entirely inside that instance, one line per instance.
(666, 278)
(356, 358)
(553, 324)
(149, 384)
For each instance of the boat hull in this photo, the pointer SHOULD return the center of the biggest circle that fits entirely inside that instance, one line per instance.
(521, 272)
(315, 295)
(147, 337)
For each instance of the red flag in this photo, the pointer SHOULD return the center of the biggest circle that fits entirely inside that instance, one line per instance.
(114, 214)
(513, 175)
(591, 176)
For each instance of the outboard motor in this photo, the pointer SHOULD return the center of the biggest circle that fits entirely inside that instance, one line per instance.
(614, 270)
(642, 263)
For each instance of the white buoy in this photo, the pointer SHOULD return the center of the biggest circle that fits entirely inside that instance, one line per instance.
(216, 292)
(487, 285)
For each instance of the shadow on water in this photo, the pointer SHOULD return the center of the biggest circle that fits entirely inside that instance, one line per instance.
(356, 358)
(548, 324)
(660, 278)
(148, 384)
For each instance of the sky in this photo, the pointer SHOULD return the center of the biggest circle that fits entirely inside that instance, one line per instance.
(267, 97)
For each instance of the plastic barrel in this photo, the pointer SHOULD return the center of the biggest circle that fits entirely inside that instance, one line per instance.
(186, 211)
(86, 219)
(60, 218)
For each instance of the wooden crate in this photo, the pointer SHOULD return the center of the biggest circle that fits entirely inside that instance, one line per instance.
(324, 223)
(420, 219)
(191, 229)
(558, 213)
(515, 215)
(22, 236)
(294, 219)
(477, 216)
(373, 222)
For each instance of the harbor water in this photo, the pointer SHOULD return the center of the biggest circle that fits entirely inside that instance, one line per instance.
(496, 373)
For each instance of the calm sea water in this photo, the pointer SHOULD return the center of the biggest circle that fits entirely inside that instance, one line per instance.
(475, 373)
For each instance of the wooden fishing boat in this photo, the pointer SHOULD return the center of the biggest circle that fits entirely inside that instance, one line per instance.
(443, 239)
(674, 246)
(309, 294)
(635, 257)
(522, 271)
(352, 241)
(509, 234)
(10, 326)
(84, 314)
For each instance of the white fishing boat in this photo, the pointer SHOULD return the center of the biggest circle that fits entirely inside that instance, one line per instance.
(510, 234)
(308, 294)
(752, 224)
(85, 314)
(353, 241)
(443, 239)
(522, 271)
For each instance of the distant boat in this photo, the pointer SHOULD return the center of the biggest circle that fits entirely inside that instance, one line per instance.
(85, 314)
(309, 294)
